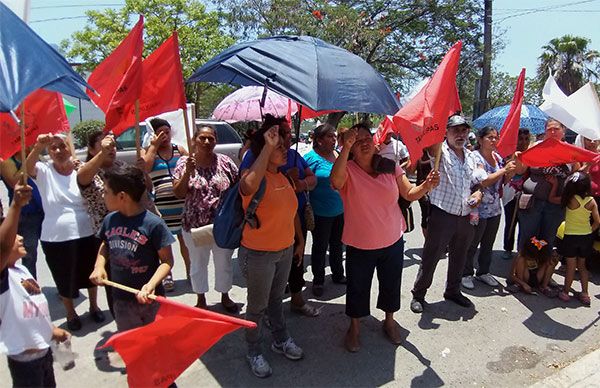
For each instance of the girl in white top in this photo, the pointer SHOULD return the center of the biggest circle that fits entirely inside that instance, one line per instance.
(25, 325)
(67, 235)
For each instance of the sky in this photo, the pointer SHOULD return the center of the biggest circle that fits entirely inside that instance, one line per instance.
(525, 25)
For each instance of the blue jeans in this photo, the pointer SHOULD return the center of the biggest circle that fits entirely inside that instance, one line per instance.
(541, 220)
(30, 227)
(327, 233)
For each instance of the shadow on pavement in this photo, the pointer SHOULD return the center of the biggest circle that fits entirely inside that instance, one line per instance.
(326, 362)
(445, 310)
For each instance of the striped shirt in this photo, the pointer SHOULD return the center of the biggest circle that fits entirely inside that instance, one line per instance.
(456, 180)
(169, 206)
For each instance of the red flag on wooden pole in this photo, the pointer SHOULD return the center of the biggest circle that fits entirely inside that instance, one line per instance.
(156, 354)
(552, 152)
(44, 113)
(163, 89)
(422, 121)
(119, 73)
(509, 134)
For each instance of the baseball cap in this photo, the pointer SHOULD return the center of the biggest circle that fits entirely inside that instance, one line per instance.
(456, 120)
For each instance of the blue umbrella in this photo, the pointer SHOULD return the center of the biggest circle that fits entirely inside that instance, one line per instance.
(305, 69)
(532, 118)
(28, 63)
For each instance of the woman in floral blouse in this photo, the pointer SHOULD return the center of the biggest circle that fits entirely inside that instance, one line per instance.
(202, 179)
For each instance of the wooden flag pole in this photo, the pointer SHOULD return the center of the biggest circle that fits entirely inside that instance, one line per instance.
(186, 124)
(23, 151)
(138, 137)
(125, 288)
(438, 156)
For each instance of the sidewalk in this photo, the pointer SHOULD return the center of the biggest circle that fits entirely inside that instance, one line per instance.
(582, 373)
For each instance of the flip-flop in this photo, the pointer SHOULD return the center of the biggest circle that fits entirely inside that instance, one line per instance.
(585, 300)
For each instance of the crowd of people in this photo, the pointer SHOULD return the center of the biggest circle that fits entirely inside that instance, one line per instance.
(102, 220)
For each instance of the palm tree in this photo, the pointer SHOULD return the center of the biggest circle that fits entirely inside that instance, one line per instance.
(571, 61)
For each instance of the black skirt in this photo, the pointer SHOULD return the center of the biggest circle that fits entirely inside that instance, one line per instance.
(71, 264)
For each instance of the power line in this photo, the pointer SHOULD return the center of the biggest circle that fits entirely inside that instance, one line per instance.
(62, 18)
(527, 11)
(78, 6)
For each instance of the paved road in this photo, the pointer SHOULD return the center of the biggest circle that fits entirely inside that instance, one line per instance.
(507, 340)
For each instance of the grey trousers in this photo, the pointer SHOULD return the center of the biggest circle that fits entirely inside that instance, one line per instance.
(267, 274)
(485, 235)
(444, 230)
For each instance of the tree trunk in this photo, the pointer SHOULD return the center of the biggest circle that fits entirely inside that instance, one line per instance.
(487, 60)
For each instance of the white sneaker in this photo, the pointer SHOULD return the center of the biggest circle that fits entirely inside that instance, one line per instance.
(259, 366)
(467, 282)
(488, 279)
(288, 348)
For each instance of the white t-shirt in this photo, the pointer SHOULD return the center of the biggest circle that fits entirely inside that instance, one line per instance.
(395, 150)
(24, 316)
(65, 212)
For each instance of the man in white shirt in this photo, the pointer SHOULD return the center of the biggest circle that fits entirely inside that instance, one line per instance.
(448, 226)
(393, 149)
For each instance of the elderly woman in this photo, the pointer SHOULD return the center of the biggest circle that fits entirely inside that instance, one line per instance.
(160, 160)
(541, 214)
(67, 235)
(328, 209)
(265, 255)
(372, 234)
(202, 179)
(490, 172)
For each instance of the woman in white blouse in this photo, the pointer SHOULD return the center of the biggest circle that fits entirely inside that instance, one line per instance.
(67, 237)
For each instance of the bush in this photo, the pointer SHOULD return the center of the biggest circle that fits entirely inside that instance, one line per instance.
(82, 129)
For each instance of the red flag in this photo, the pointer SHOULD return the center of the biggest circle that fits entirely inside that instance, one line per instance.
(162, 90)
(509, 134)
(386, 126)
(288, 116)
(552, 152)
(422, 121)
(109, 77)
(44, 113)
(308, 113)
(156, 354)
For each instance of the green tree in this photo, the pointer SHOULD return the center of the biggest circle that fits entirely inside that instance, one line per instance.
(82, 129)
(571, 61)
(403, 39)
(200, 37)
(502, 89)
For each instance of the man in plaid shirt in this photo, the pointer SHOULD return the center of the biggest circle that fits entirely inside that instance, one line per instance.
(451, 203)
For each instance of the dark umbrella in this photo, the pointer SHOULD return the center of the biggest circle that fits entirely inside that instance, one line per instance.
(28, 63)
(307, 70)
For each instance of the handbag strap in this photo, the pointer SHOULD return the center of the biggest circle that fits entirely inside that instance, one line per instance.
(250, 216)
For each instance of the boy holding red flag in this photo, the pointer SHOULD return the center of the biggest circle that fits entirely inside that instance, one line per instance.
(138, 245)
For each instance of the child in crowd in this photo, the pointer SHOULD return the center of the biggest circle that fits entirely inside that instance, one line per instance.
(25, 325)
(531, 266)
(137, 244)
(578, 237)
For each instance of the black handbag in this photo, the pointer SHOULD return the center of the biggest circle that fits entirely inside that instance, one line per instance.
(407, 213)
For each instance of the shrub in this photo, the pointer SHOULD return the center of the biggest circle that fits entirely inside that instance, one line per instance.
(82, 129)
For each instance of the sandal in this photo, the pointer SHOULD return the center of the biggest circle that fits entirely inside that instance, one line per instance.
(585, 300)
(306, 310)
(564, 296)
(168, 283)
(549, 292)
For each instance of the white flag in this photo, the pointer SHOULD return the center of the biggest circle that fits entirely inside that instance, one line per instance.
(579, 112)
(175, 118)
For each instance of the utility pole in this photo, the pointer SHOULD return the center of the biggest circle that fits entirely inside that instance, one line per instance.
(482, 104)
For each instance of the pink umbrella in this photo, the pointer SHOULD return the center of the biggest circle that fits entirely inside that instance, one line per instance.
(244, 105)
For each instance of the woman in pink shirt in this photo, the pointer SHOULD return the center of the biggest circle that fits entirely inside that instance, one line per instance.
(370, 187)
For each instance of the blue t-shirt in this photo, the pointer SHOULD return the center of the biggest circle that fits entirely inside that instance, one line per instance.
(133, 244)
(294, 159)
(325, 201)
(35, 205)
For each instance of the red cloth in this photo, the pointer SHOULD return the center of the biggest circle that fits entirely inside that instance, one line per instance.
(422, 121)
(595, 178)
(552, 152)
(308, 113)
(118, 76)
(162, 90)
(44, 113)
(156, 354)
(385, 126)
(509, 134)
